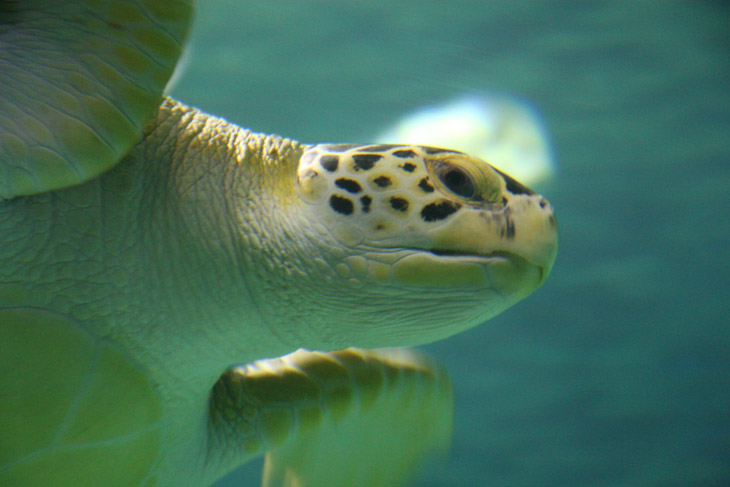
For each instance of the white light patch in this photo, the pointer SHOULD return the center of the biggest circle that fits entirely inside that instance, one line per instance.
(500, 129)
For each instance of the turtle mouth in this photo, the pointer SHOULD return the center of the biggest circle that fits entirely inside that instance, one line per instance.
(496, 255)
(460, 253)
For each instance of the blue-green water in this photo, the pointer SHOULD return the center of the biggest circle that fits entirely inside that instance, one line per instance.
(617, 371)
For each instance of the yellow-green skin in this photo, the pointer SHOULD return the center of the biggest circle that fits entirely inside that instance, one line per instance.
(80, 79)
(100, 365)
(75, 411)
(146, 247)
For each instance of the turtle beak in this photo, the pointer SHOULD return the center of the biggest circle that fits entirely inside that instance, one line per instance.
(523, 228)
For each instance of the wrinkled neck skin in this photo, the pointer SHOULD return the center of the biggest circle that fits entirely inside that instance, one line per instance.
(209, 239)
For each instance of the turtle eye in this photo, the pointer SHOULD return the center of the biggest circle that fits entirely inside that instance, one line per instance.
(458, 181)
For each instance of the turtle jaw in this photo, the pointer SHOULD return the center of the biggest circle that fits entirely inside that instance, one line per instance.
(500, 256)
(497, 255)
(509, 275)
(412, 296)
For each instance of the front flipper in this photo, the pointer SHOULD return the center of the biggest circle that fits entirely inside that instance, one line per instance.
(78, 82)
(353, 417)
(74, 411)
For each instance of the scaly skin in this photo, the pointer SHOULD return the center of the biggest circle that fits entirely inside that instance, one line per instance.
(79, 80)
(147, 258)
(150, 246)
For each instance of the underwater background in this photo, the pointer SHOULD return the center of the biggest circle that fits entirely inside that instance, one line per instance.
(617, 371)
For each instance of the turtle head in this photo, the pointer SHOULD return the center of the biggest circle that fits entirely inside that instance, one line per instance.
(432, 228)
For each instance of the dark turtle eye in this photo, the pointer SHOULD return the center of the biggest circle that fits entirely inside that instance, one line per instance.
(458, 181)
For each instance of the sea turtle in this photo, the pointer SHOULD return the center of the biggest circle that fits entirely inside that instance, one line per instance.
(147, 248)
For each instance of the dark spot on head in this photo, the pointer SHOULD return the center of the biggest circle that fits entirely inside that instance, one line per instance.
(514, 186)
(439, 211)
(382, 181)
(348, 185)
(365, 161)
(399, 204)
(408, 167)
(543, 204)
(508, 230)
(380, 226)
(404, 153)
(329, 162)
(438, 150)
(425, 185)
(377, 148)
(341, 205)
(366, 200)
